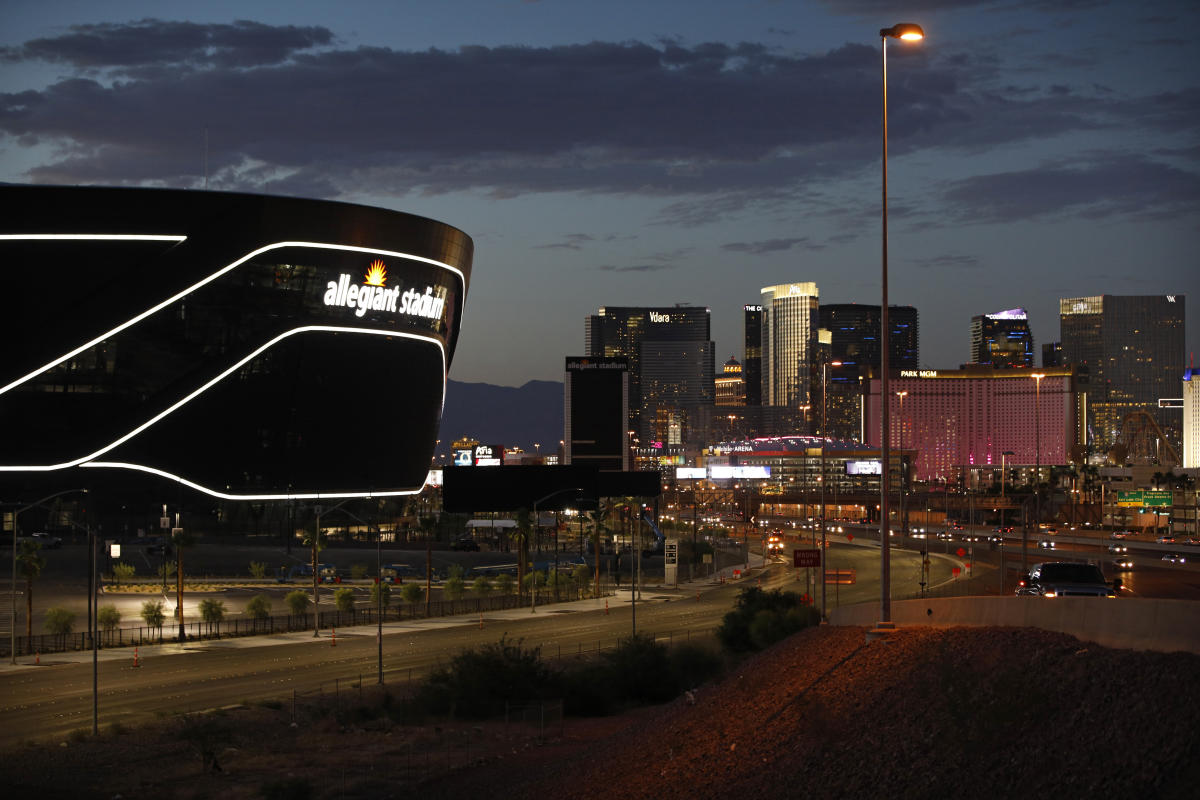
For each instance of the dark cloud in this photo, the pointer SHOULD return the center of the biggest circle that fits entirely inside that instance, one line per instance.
(724, 130)
(1143, 188)
(572, 241)
(946, 261)
(152, 42)
(771, 245)
(635, 268)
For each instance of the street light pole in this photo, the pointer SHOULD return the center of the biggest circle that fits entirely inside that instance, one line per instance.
(907, 32)
(903, 467)
(533, 573)
(824, 440)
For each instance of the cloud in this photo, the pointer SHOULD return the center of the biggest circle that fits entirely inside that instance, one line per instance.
(721, 130)
(635, 267)
(1097, 187)
(771, 245)
(572, 241)
(946, 261)
(152, 42)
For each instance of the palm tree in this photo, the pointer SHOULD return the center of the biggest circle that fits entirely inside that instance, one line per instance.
(429, 525)
(524, 530)
(181, 539)
(30, 564)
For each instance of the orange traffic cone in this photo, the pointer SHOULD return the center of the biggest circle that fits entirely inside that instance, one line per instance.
(333, 637)
(37, 658)
(135, 657)
(606, 607)
(480, 620)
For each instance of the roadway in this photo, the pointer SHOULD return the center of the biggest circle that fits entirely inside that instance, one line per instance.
(53, 699)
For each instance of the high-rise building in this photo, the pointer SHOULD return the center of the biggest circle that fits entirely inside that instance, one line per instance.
(1002, 340)
(854, 343)
(730, 385)
(671, 363)
(1133, 347)
(790, 321)
(596, 412)
(1191, 420)
(752, 358)
(1052, 355)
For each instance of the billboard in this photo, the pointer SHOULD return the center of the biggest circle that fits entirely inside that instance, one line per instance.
(488, 455)
(690, 473)
(719, 473)
(864, 467)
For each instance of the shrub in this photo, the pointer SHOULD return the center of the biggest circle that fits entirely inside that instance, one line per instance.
(454, 587)
(412, 592)
(505, 583)
(212, 610)
(59, 621)
(258, 570)
(583, 576)
(167, 570)
(343, 598)
(479, 682)
(759, 619)
(385, 601)
(122, 572)
(297, 601)
(152, 614)
(641, 670)
(482, 586)
(259, 607)
(535, 578)
(108, 617)
(358, 571)
(290, 788)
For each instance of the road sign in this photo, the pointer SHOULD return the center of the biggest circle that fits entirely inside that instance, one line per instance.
(1140, 498)
(671, 551)
(960, 552)
(955, 571)
(849, 537)
(806, 558)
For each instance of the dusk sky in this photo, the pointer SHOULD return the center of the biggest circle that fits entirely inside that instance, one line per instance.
(659, 152)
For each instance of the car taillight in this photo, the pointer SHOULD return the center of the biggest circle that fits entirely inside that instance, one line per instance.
(1020, 583)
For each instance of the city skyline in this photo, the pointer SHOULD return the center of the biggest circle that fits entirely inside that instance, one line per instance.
(647, 154)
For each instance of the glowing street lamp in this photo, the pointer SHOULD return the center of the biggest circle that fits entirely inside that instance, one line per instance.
(1037, 473)
(905, 31)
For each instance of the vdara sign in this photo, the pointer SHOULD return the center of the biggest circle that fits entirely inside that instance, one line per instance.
(373, 295)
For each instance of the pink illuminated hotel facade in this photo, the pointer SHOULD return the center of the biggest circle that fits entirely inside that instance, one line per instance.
(970, 417)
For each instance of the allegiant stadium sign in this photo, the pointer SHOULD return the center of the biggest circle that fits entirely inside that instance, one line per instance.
(373, 295)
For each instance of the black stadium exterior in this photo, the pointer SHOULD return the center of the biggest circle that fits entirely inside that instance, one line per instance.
(244, 347)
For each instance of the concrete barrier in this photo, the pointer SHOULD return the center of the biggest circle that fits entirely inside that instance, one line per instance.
(1132, 623)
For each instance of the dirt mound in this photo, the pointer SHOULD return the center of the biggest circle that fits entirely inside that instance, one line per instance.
(963, 712)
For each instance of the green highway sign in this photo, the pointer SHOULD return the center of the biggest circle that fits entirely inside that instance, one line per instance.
(1141, 498)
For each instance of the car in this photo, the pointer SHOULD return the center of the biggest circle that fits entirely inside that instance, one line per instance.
(1046, 544)
(46, 540)
(1066, 579)
(465, 543)
(1175, 558)
(1123, 564)
(1165, 540)
(971, 537)
(1049, 530)
(1118, 548)
(945, 536)
(1120, 534)
(997, 540)
(1004, 529)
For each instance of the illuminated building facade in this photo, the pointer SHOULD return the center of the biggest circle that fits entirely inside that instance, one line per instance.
(752, 358)
(244, 347)
(671, 363)
(966, 417)
(789, 335)
(1002, 340)
(1191, 420)
(1133, 347)
(730, 385)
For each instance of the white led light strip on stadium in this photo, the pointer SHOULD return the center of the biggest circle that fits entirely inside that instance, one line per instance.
(180, 295)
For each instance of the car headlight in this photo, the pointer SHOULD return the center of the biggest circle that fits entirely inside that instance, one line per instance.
(1050, 594)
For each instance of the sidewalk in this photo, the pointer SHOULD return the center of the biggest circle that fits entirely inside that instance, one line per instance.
(624, 596)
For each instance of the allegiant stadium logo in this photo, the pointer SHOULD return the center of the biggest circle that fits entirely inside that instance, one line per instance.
(373, 295)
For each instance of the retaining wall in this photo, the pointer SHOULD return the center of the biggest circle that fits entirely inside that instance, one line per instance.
(1132, 623)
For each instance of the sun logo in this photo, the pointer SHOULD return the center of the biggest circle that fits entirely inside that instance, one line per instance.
(376, 274)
